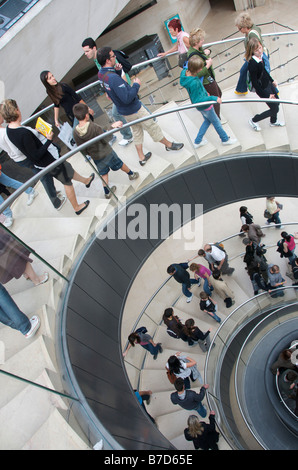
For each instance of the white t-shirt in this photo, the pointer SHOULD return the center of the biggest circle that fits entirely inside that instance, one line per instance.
(6, 145)
(217, 254)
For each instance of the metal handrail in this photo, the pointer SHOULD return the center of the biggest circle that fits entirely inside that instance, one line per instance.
(177, 109)
(242, 348)
(156, 59)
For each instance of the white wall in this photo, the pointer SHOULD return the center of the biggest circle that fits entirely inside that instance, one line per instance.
(49, 37)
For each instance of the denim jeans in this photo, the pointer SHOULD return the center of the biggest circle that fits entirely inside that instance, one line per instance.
(275, 219)
(154, 350)
(210, 117)
(201, 410)
(11, 183)
(185, 290)
(126, 133)
(47, 182)
(208, 289)
(11, 315)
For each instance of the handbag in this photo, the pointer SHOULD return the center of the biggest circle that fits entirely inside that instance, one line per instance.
(267, 214)
(182, 59)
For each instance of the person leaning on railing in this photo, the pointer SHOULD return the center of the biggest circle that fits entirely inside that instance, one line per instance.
(182, 43)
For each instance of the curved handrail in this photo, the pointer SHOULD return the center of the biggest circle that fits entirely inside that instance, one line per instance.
(217, 334)
(242, 348)
(282, 400)
(177, 109)
(156, 59)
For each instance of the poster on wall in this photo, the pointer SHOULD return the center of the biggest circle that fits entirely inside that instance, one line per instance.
(176, 17)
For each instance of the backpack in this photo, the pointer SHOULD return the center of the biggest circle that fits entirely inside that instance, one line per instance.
(142, 329)
(280, 249)
(172, 333)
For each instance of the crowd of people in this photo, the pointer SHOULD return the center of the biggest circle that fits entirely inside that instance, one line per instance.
(211, 276)
(30, 149)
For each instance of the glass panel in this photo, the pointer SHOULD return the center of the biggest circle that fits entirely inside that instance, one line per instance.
(32, 415)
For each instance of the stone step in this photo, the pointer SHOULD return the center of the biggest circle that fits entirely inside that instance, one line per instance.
(55, 434)
(21, 365)
(14, 342)
(26, 412)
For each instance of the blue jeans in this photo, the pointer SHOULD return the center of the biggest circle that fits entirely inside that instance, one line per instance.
(275, 219)
(185, 288)
(154, 350)
(210, 117)
(11, 183)
(208, 289)
(126, 133)
(11, 315)
(201, 410)
(47, 182)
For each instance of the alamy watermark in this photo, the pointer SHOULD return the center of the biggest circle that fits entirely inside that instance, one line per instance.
(157, 221)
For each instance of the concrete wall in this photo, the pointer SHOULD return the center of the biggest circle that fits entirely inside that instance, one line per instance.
(49, 37)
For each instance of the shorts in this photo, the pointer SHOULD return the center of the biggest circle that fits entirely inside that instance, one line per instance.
(63, 173)
(150, 126)
(110, 162)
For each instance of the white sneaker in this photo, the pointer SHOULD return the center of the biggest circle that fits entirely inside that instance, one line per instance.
(203, 142)
(230, 141)
(111, 192)
(125, 141)
(63, 200)
(189, 299)
(35, 324)
(254, 125)
(8, 222)
(31, 197)
(277, 124)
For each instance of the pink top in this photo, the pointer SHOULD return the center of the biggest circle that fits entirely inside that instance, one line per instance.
(291, 244)
(181, 45)
(202, 271)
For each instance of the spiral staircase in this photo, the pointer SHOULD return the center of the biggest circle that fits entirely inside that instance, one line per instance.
(34, 416)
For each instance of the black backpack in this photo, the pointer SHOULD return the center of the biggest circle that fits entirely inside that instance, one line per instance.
(172, 333)
(280, 249)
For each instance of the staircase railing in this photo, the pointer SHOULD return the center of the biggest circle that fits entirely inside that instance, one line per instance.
(34, 179)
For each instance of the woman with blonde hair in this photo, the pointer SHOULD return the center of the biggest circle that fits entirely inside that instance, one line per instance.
(196, 41)
(42, 152)
(203, 435)
(246, 26)
(263, 83)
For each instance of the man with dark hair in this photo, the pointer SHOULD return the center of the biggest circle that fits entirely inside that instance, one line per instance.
(189, 399)
(181, 275)
(90, 51)
(128, 104)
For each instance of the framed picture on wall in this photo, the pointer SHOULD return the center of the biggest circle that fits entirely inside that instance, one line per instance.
(176, 17)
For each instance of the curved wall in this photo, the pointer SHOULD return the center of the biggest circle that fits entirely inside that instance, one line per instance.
(102, 280)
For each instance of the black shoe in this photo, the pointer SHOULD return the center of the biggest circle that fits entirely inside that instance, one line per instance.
(147, 156)
(90, 182)
(83, 208)
(175, 147)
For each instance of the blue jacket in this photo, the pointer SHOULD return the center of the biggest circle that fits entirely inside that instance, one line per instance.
(196, 90)
(124, 96)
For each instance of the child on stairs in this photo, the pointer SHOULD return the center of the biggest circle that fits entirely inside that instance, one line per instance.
(104, 157)
(197, 93)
